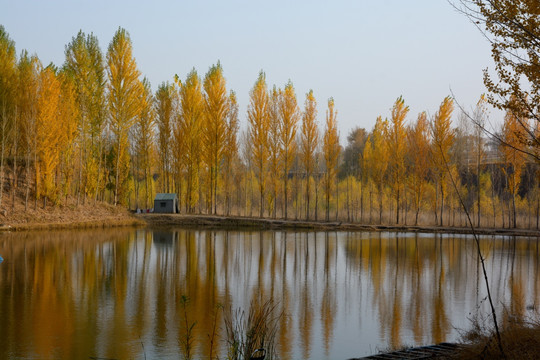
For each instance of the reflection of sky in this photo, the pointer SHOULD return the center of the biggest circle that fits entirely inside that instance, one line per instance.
(347, 294)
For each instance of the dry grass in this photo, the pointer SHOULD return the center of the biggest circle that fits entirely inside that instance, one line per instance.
(256, 331)
(520, 340)
(14, 216)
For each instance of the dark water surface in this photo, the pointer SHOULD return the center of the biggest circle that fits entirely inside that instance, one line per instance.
(117, 293)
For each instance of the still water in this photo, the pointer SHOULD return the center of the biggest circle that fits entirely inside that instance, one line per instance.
(117, 293)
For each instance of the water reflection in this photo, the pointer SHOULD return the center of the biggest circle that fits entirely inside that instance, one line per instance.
(118, 293)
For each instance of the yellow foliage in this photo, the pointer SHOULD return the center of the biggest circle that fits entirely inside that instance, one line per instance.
(331, 151)
(125, 90)
(48, 129)
(289, 115)
(188, 135)
(310, 138)
(259, 124)
(216, 106)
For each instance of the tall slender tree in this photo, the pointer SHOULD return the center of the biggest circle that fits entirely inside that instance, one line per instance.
(513, 133)
(418, 148)
(144, 138)
(8, 87)
(480, 116)
(258, 120)
(331, 151)
(443, 138)
(376, 155)
(188, 133)
(84, 64)
(48, 131)
(231, 149)
(68, 115)
(164, 118)
(274, 148)
(289, 115)
(396, 147)
(215, 125)
(27, 94)
(124, 105)
(310, 139)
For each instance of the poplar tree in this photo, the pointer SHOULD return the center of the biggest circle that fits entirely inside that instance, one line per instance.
(514, 159)
(188, 132)
(418, 148)
(231, 149)
(289, 115)
(84, 64)
(216, 106)
(47, 130)
(144, 137)
(310, 138)
(396, 147)
(98, 114)
(27, 94)
(443, 138)
(480, 117)
(124, 105)
(274, 148)
(376, 155)
(164, 101)
(68, 114)
(331, 153)
(8, 86)
(259, 124)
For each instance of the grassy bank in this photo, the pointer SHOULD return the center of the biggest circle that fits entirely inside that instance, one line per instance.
(520, 340)
(239, 222)
(14, 217)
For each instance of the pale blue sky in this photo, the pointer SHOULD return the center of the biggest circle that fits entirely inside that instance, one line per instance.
(365, 54)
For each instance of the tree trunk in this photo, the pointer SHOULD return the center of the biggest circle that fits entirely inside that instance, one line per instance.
(261, 204)
(337, 197)
(397, 206)
(117, 176)
(316, 197)
(348, 206)
(478, 187)
(361, 201)
(285, 193)
(100, 155)
(442, 203)
(380, 204)
(2, 152)
(79, 180)
(307, 194)
(327, 185)
(15, 143)
(436, 203)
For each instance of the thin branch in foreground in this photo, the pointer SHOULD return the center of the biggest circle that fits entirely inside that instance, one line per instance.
(482, 260)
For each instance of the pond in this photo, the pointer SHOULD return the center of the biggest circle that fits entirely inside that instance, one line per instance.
(129, 293)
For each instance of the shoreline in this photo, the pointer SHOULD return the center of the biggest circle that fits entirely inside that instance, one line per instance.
(82, 224)
(239, 222)
(19, 217)
(211, 222)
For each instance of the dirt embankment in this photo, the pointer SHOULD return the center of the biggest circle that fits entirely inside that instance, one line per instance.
(71, 215)
(238, 222)
(101, 214)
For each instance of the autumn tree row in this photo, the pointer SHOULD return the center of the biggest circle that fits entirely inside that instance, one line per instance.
(93, 130)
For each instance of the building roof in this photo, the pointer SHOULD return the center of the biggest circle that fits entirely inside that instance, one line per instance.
(165, 196)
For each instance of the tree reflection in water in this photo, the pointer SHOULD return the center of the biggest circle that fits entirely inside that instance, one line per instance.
(118, 293)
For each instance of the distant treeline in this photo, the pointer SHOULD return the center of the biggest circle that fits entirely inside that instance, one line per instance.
(93, 130)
